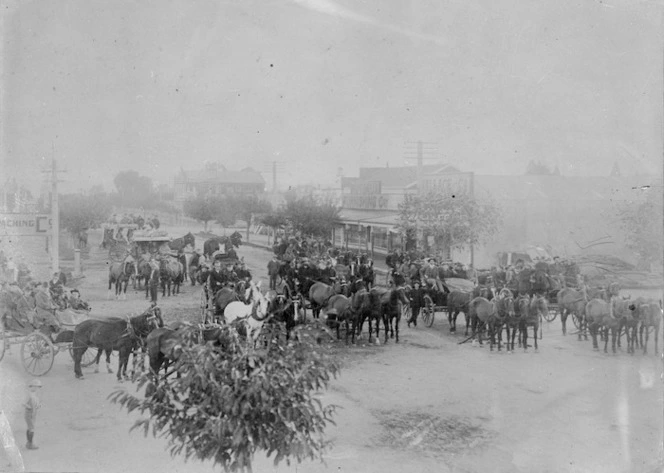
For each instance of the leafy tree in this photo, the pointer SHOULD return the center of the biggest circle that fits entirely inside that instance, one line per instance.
(225, 213)
(311, 216)
(454, 221)
(248, 206)
(642, 222)
(231, 400)
(203, 209)
(79, 213)
(535, 168)
(134, 189)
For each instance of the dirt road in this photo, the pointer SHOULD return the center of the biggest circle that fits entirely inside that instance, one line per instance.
(427, 404)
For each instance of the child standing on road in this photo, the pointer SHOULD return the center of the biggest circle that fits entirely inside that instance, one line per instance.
(32, 405)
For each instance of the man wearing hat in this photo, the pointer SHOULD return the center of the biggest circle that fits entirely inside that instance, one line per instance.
(32, 406)
(273, 271)
(45, 318)
(416, 302)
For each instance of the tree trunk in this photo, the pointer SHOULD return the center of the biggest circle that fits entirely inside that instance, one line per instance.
(205, 226)
(248, 225)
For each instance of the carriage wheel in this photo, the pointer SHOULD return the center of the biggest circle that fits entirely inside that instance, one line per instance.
(428, 311)
(88, 357)
(576, 320)
(551, 315)
(203, 305)
(37, 354)
(406, 312)
(3, 343)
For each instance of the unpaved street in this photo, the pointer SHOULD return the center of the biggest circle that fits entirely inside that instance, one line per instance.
(427, 404)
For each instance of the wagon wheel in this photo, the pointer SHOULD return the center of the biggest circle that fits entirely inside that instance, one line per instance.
(37, 354)
(3, 343)
(576, 320)
(428, 311)
(406, 312)
(88, 357)
(551, 315)
(203, 306)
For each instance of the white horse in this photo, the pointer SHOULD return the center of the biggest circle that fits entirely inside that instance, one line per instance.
(253, 314)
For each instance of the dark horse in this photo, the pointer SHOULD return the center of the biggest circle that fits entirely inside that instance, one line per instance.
(225, 296)
(120, 273)
(172, 273)
(320, 293)
(179, 244)
(165, 345)
(114, 333)
(388, 302)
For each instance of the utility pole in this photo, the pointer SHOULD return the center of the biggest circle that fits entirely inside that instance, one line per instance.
(55, 217)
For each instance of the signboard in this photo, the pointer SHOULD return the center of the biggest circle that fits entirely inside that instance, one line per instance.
(365, 201)
(25, 224)
(453, 183)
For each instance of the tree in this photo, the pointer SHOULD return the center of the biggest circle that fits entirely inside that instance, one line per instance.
(642, 222)
(79, 213)
(231, 400)
(311, 216)
(535, 168)
(248, 206)
(203, 209)
(225, 213)
(134, 189)
(454, 221)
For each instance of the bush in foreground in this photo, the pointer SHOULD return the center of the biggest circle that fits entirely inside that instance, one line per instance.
(232, 400)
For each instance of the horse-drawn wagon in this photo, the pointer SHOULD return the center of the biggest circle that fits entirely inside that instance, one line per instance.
(37, 349)
(437, 301)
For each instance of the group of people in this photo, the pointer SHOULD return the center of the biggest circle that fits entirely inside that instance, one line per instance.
(221, 275)
(404, 269)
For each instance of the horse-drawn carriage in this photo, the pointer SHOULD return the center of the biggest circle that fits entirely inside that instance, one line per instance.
(38, 350)
(437, 301)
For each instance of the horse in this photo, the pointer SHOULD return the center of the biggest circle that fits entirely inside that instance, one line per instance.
(144, 272)
(389, 303)
(194, 267)
(606, 316)
(212, 245)
(114, 333)
(165, 344)
(531, 316)
(226, 295)
(288, 311)
(651, 316)
(252, 315)
(179, 244)
(492, 315)
(340, 307)
(171, 272)
(120, 273)
(572, 301)
(457, 302)
(320, 293)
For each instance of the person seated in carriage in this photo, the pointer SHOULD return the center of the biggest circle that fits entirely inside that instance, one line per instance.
(242, 272)
(45, 319)
(327, 273)
(75, 301)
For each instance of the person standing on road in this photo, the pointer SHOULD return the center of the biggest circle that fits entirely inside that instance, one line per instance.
(273, 272)
(32, 406)
(416, 302)
(154, 281)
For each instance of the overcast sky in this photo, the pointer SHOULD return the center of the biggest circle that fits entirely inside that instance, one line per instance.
(320, 84)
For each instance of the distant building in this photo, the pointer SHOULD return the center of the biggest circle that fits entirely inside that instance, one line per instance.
(564, 214)
(215, 180)
(16, 198)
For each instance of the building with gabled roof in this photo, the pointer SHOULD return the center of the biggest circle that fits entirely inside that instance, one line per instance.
(215, 180)
(567, 215)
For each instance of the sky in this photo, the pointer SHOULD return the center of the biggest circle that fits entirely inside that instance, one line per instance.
(327, 86)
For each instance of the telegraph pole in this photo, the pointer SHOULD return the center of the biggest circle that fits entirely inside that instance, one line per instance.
(55, 219)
